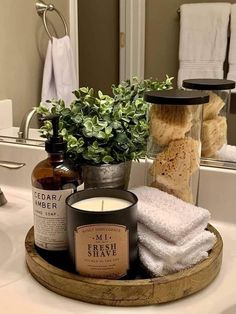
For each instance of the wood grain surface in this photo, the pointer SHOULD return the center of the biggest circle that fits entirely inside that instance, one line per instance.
(125, 292)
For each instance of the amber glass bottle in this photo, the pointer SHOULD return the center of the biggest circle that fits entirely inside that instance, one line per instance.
(53, 179)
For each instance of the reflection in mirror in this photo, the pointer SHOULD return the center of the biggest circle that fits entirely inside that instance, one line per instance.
(24, 134)
(99, 62)
(24, 44)
(163, 23)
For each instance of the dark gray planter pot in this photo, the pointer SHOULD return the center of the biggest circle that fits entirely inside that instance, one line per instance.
(107, 176)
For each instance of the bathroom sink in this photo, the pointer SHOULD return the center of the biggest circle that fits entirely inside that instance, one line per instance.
(216, 186)
(28, 154)
(20, 292)
(18, 285)
(15, 220)
(12, 132)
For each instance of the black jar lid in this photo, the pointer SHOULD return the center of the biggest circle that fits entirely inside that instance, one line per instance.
(176, 97)
(209, 84)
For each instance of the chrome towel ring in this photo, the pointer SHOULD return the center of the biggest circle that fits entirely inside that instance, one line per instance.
(42, 9)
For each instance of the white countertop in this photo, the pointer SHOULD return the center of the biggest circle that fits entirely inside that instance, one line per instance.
(21, 293)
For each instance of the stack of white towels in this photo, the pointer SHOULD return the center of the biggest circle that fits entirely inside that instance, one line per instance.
(171, 233)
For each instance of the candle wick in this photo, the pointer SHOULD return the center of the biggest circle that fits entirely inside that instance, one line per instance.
(102, 205)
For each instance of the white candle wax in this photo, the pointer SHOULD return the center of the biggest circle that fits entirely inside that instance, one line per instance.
(99, 204)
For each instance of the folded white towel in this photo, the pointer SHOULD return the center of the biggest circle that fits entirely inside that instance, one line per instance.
(150, 261)
(157, 267)
(168, 216)
(203, 40)
(232, 48)
(59, 77)
(170, 253)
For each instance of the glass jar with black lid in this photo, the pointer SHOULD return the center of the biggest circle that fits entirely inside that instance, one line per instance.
(173, 149)
(214, 125)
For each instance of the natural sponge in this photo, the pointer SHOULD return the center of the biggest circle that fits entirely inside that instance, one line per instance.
(214, 136)
(169, 122)
(183, 192)
(174, 166)
(214, 106)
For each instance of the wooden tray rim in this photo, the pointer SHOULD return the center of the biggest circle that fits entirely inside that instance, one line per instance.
(216, 250)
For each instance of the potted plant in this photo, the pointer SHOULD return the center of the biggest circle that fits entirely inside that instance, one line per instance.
(103, 133)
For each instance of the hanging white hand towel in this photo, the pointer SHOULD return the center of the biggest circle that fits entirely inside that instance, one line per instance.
(64, 69)
(48, 85)
(232, 48)
(203, 40)
(59, 78)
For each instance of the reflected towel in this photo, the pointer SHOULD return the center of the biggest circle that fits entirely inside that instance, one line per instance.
(171, 218)
(232, 48)
(203, 40)
(48, 85)
(59, 77)
(227, 153)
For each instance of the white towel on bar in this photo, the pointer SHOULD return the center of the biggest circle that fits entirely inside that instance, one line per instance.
(48, 85)
(203, 40)
(232, 48)
(171, 253)
(59, 77)
(171, 218)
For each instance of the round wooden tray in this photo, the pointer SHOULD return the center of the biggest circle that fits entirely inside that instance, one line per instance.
(124, 292)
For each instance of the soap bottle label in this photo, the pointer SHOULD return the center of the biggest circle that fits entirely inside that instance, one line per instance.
(50, 218)
(102, 250)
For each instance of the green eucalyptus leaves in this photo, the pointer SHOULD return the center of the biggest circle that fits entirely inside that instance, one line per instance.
(100, 129)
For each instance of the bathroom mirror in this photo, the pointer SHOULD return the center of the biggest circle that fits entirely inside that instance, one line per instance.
(161, 55)
(162, 24)
(22, 60)
(23, 48)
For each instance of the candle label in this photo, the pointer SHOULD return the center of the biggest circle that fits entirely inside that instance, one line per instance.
(102, 250)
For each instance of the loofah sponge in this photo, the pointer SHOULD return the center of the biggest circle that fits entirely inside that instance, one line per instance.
(183, 192)
(169, 122)
(212, 109)
(214, 136)
(174, 166)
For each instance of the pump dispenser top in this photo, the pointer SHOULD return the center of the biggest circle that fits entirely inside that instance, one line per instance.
(55, 144)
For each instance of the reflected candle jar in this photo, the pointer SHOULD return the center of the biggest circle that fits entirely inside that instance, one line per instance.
(102, 232)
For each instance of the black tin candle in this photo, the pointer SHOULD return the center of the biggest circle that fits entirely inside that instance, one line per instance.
(102, 232)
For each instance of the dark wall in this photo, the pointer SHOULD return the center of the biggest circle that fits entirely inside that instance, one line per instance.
(98, 43)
